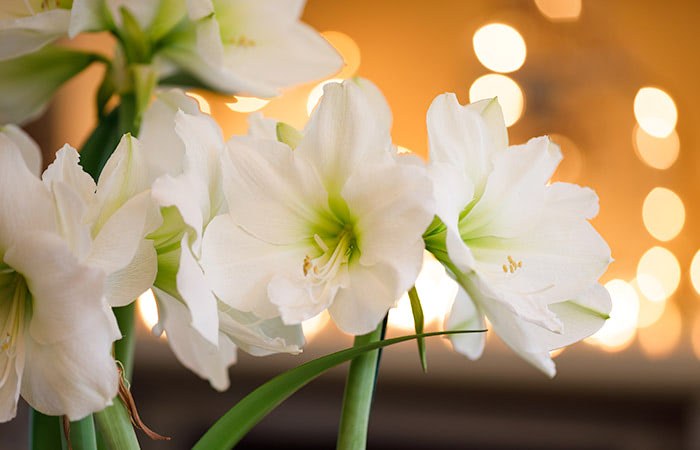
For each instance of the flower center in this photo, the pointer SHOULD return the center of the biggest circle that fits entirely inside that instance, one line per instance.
(326, 266)
(512, 265)
(12, 320)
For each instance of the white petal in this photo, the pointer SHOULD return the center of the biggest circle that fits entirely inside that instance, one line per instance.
(89, 15)
(490, 110)
(344, 133)
(10, 388)
(30, 150)
(260, 337)
(163, 149)
(124, 286)
(360, 307)
(460, 137)
(28, 34)
(76, 376)
(25, 203)
(66, 168)
(298, 301)
(464, 315)
(70, 212)
(273, 193)
(59, 284)
(377, 101)
(515, 189)
(198, 354)
(197, 295)
(262, 127)
(239, 266)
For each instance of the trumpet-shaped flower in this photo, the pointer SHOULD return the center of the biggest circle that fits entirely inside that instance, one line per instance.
(65, 244)
(248, 46)
(523, 250)
(184, 150)
(28, 25)
(334, 224)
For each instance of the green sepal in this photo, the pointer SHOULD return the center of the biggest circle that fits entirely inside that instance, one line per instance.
(136, 43)
(289, 135)
(419, 322)
(233, 425)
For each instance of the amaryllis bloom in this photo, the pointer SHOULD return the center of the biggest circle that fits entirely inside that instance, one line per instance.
(250, 46)
(65, 244)
(184, 148)
(522, 249)
(334, 223)
(28, 25)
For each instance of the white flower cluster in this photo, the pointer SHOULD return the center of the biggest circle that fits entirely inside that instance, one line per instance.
(243, 240)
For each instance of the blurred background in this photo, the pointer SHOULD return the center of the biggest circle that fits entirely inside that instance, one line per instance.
(615, 85)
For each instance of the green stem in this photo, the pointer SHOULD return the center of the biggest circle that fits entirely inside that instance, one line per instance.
(44, 431)
(82, 434)
(359, 390)
(124, 347)
(115, 426)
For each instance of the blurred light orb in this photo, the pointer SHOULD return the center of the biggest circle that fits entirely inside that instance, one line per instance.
(559, 10)
(660, 339)
(658, 274)
(201, 102)
(620, 328)
(655, 111)
(695, 272)
(649, 311)
(663, 213)
(659, 153)
(695, 336)
(401, 150)
(437, 292)
(247, 104)
(499, 47)
(348, 49)
(314, 325)
(509, 94)
(316, 94)
(148, 309)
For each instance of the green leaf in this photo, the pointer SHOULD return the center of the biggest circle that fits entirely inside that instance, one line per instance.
(101, 143)
(44, 431)
(115, 426)
(419, 321)
(82, 434)
(233, 425)
(136, 43)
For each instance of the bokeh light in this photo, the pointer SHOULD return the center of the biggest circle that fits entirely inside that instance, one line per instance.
(559, 10)
(659, 153)
(619, 329)
(148, 309)
(313, 326)
(348, 49)
(247, 104)
(658, 273)
(499, 47)
(649, 311)
(695, 336)
(402, 150)
(655, 111)
(316, 94)
(201, 101)
(695, 272)
(436, 291)
(663, 213)
(509, 94)
(660, 339)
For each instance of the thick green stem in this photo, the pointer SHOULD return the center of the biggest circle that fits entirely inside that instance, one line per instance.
(124, 347)
(359, 390)
(44, 431)
(115, 427)
(82, 434)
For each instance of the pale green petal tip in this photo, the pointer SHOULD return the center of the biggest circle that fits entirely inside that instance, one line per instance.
(289, 135)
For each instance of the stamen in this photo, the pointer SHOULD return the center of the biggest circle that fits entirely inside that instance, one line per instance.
(512, 265)
(326, 266)
(320, 242)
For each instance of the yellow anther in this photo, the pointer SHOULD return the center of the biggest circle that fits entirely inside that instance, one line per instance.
(505, 268)
(307, 264)
(512, 265)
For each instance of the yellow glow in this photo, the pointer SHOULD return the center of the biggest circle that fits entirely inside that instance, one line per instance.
(348, 49)
(201, 101)
(619, 329)
(655, 111)
(317, 93)
(659, 153)
(247, 104)
(570, 167)
(658, 274)
(554, 353)
(695, 272)
(402, 150)
(695, 338)
(148, 309)
(509, 94)
(499, 47)
(314, 325)
(663, 213)
(649, 311)
(436, 291)
(660, 339)
(559, 10)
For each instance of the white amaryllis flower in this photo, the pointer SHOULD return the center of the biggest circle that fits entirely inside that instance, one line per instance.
(522, 249)
(65, 244)
(334, 224)
(250, 46)
(28, 25)
(184, 148)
